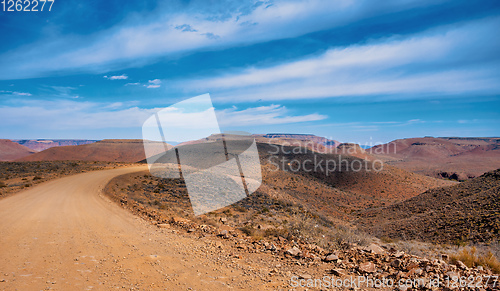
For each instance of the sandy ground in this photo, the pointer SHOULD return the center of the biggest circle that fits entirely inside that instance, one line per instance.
(65, 235)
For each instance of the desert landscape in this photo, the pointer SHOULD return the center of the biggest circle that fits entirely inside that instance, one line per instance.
(250, 145)
(91, 216)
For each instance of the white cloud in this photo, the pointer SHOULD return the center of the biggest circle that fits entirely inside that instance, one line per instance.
(15, 93)
(263, 115)
(79, 115)
(120, 77)
(155, 82)
(140, 38)
(21, 93)
(436, 61)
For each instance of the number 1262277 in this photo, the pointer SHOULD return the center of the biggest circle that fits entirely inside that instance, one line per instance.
(26, 5)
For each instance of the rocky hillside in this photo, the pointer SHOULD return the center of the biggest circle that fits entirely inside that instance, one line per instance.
(446, 157)
(289, 238)
(10, 151)
(366, 183)
(469, 211)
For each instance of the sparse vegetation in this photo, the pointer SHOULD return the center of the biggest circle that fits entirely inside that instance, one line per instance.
(471, 258)
(20, 175)
(295, 208)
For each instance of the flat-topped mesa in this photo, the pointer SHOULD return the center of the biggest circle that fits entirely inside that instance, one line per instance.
(121, 141)
(39, 145)
(310, 141)
(108, 150)
(288, 135)
(349, 148)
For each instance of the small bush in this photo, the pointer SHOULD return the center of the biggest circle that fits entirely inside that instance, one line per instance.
(2, 185)
(256, 234)
(239, 208)
(37, 178)
(387, 240)
(491, 261)
(471, 259)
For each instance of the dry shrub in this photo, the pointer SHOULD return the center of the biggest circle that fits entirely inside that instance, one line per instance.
(346, 237)
(491, 261)
(472, 259)
(255, 233)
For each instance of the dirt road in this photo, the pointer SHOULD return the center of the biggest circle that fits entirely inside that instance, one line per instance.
(65, 235)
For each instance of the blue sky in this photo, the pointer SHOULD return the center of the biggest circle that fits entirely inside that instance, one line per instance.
(359, 71)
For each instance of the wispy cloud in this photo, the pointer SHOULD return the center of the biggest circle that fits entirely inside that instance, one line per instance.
(59, 91)
(263, 115)
(15, 93)
(141, 38)
(72, 114)
(156, 83)
(120, 77)
(435, 61)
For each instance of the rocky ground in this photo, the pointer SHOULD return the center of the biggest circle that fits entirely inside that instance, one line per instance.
(16, 176)
(469, 211)
(293, 248)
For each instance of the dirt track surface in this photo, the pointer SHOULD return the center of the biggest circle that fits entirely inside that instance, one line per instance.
(65, 235)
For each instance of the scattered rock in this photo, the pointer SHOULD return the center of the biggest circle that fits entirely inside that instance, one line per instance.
(461, 265)
(180, 220)
(452, 275)
(331, 257)
(305, 276)
(396, 263)
(368, 267)
(414, 272)
(224, 234)
(337, 272)
(375, 249)
(271, 247)
(294, 251)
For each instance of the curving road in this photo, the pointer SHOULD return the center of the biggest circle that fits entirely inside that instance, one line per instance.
(65, 235)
